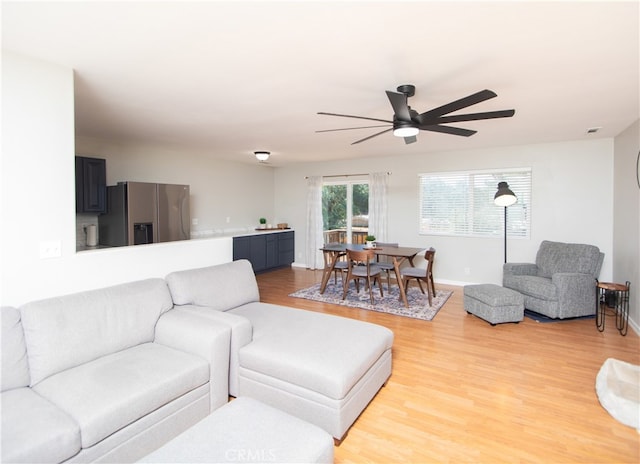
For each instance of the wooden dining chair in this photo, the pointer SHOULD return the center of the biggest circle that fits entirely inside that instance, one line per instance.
(386, 262)
(421, 274)
(340, 266)
(361, 265)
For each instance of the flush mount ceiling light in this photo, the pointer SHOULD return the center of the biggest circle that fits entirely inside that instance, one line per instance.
(404, 129)
(262, 155)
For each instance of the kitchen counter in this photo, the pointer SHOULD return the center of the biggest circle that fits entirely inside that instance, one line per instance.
(240, 232)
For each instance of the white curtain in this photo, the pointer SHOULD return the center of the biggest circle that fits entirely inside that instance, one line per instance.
(315, 238)
(378, 205)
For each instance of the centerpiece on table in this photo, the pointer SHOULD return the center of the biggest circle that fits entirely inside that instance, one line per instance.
(370, 241)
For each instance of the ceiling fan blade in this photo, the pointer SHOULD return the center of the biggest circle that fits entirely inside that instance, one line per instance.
(348, 128)
(372, 136)
(474, 116)
(400, 106)
(449, 130)
(355, 117)
(411, 139)
(473, 99)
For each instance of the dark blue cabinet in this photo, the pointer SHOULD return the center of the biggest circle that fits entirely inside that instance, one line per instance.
(91, 185)
(265, 251)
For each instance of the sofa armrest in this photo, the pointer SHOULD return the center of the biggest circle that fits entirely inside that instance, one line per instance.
(519, 269)
(192, 333)
(241, 335)
(575, 291)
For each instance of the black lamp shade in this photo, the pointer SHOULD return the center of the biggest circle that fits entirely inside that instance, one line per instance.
(504, 196)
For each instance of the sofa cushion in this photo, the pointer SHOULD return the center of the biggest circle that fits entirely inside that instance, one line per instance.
(70, 330)
(35, 430)
(323, 353)
(15, 368)
(553, 257)
(538, 287)
(220, 287)
(107, 394)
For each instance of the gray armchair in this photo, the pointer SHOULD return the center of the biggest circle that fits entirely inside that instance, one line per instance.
(561, 283)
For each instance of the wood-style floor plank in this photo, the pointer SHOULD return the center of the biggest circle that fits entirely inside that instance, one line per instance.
(464, 391)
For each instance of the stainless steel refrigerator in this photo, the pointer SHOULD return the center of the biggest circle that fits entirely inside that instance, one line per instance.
(141, 212)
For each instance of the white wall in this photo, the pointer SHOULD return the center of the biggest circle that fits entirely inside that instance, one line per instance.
(626, 207)
(38, 196)
(572, 202)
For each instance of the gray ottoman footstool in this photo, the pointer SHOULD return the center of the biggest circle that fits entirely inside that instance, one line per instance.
(246, 430)
(493, 303)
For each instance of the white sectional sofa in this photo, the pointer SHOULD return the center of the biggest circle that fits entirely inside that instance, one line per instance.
(110, 375)
(106, 375)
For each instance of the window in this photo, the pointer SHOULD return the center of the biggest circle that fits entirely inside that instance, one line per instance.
(345, 211)
(461, 203)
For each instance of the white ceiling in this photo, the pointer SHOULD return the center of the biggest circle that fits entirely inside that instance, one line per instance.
(229, 78)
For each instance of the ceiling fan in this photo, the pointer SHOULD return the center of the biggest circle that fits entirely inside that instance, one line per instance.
(407, 122)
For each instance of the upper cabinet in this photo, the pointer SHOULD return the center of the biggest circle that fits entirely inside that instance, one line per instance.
(91, 185)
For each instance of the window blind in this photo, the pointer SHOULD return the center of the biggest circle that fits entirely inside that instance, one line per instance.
(461, 203)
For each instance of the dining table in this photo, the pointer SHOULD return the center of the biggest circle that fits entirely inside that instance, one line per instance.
(398, 255)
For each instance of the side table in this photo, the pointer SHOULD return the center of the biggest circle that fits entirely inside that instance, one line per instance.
(616, 297)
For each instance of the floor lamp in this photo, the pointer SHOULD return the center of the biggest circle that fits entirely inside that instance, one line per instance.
(504, 197)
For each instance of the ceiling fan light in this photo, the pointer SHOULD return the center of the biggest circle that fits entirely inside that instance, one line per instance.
(262, 155)
(405, 131)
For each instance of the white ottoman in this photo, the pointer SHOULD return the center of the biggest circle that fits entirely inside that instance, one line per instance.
(246, 430)
(493, 303)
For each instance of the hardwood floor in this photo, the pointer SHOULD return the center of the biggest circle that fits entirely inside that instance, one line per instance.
(464, 391)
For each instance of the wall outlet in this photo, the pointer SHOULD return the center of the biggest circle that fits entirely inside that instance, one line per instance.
(467, 270)
(228, 219)
(194, 221)
(50, 249)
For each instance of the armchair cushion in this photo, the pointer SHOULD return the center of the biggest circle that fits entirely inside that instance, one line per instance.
(538, 287)
(553, 257)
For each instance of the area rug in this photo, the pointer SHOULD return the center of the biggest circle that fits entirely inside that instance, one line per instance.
(544, 319)
(418, 303)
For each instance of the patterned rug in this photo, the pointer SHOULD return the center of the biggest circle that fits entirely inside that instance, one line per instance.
(418, 303)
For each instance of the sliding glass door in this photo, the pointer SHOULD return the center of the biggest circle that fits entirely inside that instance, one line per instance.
(345, 211)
